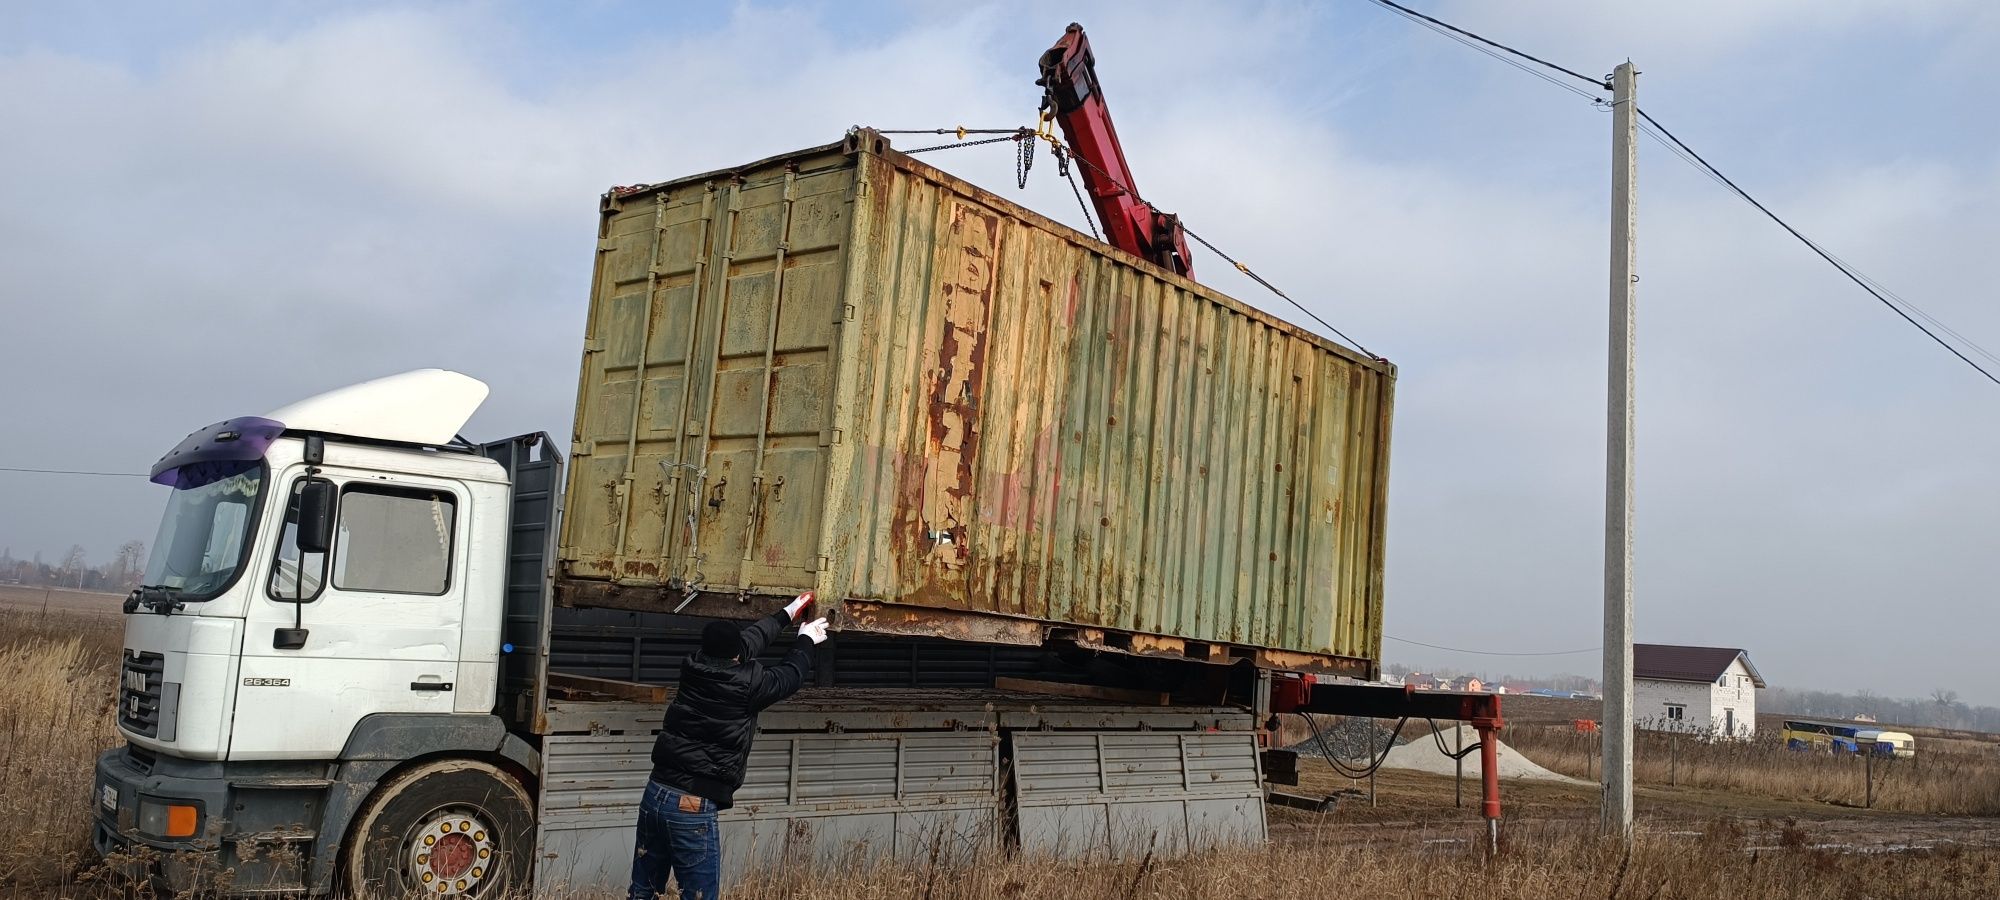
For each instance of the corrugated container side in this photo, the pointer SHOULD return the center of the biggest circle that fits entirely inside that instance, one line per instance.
(965, 407)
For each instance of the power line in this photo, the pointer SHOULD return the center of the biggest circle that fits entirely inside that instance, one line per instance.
(1450, 30)
(1493, 652)
(1651, 127)
(1703, 164)
(72, 472)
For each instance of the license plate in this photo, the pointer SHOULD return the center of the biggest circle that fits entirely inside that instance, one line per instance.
(108, 795)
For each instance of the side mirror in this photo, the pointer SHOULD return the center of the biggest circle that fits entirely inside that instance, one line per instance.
(316, 499)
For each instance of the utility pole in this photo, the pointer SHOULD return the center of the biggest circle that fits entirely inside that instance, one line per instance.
(1618, 461)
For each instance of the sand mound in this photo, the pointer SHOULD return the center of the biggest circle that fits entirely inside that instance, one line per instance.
(1421, 755)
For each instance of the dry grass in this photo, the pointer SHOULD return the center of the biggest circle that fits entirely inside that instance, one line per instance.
(1560, 862)
(1938, 781)
(56, 678)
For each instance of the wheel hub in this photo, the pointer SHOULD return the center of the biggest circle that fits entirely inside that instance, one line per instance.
(451, 854)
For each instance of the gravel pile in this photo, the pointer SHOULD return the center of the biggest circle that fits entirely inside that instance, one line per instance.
(1356, 739)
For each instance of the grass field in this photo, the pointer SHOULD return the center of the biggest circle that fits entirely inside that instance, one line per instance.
(1716, 834)
(1954, 773)
(56, 678)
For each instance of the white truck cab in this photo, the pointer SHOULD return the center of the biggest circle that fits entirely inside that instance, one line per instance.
(260, 671)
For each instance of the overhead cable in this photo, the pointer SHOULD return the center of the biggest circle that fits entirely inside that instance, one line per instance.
(72, 472)
(1864, 283)
(1651, 127)
(1455, 32)
(1494, 652)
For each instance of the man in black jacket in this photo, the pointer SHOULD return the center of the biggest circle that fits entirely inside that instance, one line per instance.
(699, 756)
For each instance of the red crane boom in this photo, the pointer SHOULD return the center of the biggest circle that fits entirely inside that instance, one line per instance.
(1075, 100)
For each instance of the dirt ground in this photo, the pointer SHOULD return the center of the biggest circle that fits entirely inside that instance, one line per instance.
(1415, 807)
(59, 600)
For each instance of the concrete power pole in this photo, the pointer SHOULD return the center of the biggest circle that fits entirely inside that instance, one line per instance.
(1617, 766)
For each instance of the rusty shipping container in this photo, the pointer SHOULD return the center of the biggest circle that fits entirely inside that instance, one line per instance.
(847, 370)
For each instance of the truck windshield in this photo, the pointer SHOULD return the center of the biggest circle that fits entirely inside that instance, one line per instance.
(206, 530)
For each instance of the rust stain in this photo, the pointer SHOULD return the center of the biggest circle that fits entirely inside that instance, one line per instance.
(917, 621)
(954, 377)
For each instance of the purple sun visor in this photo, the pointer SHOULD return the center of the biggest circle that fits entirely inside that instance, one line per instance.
(217, 452)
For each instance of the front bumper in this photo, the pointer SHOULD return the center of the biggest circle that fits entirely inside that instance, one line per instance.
(254, 832)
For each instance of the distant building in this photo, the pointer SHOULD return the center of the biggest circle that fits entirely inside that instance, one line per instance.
(1423, 682)
(1472, 684)
(1696, 690)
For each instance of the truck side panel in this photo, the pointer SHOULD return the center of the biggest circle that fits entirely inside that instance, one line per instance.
(886, 795)
(894, 785)
(1125, 793)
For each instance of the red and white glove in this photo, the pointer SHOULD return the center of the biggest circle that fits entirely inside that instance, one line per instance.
(814, 630)
(797, 608)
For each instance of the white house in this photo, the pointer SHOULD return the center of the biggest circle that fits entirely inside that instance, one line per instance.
(1697, 690)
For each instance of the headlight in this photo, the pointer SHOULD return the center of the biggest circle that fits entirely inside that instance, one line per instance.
(160, 818)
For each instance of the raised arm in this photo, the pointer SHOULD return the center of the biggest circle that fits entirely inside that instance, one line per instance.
(777, 682)
(759, 634)
(784, 679)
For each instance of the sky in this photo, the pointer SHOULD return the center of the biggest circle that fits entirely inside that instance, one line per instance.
(215, 210)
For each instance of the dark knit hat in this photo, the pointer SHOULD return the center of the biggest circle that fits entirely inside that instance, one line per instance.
(722, 640)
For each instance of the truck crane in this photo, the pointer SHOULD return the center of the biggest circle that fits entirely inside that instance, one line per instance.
(372, 657)
(1074, 99)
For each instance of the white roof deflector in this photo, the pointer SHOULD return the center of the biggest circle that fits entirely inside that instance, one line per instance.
(427, 406)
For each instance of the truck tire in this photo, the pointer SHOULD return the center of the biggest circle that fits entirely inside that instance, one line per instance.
(447, 828)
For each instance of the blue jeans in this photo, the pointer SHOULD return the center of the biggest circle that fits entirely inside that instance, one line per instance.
(676, 841)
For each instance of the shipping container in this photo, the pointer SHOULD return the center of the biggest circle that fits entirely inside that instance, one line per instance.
(847, 370)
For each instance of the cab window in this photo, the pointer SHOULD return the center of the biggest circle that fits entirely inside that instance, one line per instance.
(394, 540)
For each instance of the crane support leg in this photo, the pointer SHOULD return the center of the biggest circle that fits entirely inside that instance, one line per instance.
(1303, 694)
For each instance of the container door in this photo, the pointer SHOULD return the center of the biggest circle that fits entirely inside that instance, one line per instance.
(704, 415)
(1123, 793)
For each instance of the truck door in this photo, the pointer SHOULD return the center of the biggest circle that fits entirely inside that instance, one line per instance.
(382, 611)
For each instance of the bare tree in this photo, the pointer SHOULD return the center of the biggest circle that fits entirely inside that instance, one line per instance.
(125, 571)
(74, 564)
(1947, 703)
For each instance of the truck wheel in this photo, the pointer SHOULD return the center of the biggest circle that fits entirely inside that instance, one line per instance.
(450, 828)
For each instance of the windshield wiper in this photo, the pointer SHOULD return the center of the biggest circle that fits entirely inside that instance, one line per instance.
(156, 597)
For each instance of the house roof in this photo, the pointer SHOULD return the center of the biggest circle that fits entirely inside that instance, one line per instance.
(1672, 662)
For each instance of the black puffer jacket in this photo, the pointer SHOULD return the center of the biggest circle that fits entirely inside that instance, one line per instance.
(706, 739)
